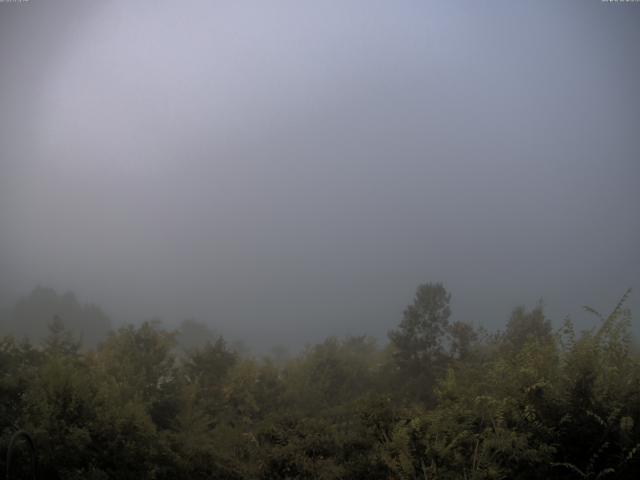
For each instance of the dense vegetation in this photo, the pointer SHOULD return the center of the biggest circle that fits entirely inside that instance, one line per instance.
(442, 400)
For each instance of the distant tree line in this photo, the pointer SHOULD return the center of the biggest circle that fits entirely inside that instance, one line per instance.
(440, 400)
(31, 316)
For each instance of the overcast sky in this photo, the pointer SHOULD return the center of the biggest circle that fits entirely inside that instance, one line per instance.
(285, 171)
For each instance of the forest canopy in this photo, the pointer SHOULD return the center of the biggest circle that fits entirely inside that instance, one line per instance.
(440, 399)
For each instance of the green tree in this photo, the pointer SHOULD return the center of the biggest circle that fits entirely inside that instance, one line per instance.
(192, 334)
(523, 326)
(141, 360)
(60, 341)
(420, 339)
(463, 336)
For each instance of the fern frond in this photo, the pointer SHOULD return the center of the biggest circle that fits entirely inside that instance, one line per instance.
(598, 418)
(618, 309)
(632, 452)
(609, 324)
(593, 311)
(570, 466)
(597, 454)
(604, 472)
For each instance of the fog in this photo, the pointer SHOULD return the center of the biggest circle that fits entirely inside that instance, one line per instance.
(285, 171)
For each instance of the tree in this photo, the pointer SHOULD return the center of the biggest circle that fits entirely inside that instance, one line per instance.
(141, 361)
(60, 340)
(524, 326)
(207, 369)
(462, 338)
(419, 340)
(31, 316)
(193, 334)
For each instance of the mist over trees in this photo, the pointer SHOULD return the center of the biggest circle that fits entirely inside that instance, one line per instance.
(306, 239)
(440, 399)
(31, 316)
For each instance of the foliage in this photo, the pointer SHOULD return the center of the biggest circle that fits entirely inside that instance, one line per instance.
(441, 401)
(419, 340)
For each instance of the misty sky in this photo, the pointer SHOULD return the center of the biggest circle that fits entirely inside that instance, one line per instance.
(285, 171)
